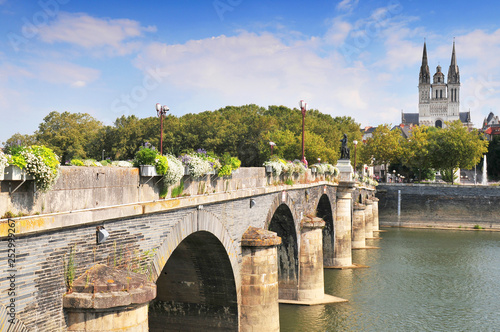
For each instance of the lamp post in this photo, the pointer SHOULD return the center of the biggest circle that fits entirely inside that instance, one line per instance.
(272, 144)
(355, 146)
(103, 154)
(303, 108)
(161, 111)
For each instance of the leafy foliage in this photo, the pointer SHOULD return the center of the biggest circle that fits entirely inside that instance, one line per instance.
(146, 155)
(455, 147)
(241, 131)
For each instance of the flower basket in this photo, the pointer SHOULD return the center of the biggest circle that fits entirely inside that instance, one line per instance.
(148, 170)
(14, 173)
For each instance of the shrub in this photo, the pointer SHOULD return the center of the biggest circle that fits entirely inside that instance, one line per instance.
(174, 172)
(161, 163)
(43, 164)
(146, 155)
(76, 162)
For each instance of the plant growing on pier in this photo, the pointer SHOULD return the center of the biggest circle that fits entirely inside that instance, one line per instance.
(69, 270)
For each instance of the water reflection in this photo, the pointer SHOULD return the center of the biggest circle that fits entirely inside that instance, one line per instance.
(419, 280)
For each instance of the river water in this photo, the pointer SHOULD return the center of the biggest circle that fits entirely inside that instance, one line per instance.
(419, 280)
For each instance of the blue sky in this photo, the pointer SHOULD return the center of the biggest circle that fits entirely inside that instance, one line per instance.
(349, 57)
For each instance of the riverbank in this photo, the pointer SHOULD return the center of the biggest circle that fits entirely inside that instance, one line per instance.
(439, 206)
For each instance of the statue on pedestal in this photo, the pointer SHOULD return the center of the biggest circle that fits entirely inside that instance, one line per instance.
(344, 151)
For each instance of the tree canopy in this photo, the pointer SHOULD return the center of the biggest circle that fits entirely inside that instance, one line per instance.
(242, 131)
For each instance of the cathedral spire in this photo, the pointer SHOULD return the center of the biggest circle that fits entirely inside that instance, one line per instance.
(453, 72)
(425, 76)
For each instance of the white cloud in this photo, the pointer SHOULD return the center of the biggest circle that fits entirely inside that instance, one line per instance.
(114, 35)
(338, 32)
(65, 73)
(347, 5)
(250, 68)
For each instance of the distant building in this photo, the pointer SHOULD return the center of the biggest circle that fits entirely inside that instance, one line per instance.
(491, 126)
(440, 101)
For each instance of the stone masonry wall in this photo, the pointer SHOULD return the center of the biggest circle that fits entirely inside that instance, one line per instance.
(80, 188)
(41, 256)
(439, 205)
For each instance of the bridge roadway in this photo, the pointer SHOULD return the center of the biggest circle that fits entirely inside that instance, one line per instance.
(212, 257)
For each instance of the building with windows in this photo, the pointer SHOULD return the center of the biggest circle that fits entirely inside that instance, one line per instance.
(438, 101)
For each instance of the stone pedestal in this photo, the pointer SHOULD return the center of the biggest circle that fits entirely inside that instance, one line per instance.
(259, 281)
(376, 226)
(369, 219)
(345, 169)
(311, 279)
(358, 227)
(108, 299)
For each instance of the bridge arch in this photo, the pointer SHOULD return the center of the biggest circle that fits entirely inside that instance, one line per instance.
(197, 276)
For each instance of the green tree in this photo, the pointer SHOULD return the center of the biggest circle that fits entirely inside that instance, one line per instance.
(69, 135)
(19, 140)
(455, 147)
(383, 147)
(415, 151)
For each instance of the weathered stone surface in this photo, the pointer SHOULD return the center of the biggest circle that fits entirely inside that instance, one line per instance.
(258, 237)
(358, 226)
(103, 287)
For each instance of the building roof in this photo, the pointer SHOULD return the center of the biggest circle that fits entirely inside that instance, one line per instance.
(410, 118)
(465, 117)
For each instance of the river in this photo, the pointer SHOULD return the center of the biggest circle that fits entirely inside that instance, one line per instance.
(419, 280)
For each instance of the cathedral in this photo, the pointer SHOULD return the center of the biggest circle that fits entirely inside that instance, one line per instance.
(438, 101)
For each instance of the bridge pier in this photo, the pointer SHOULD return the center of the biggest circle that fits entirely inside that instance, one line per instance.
(108, 299)
(342, 255)
(376, 227)
(259, 281)
(369, 219)
(311, 278)
(358, 226)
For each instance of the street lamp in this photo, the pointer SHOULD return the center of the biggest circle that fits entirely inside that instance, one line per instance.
(355, 146)
(303, 108)
(161, 111)
(103, 154)
(272, 144)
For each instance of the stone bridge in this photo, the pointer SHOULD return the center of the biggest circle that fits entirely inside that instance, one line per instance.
(220, 258)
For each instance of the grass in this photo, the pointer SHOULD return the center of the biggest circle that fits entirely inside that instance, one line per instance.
(478, 227)
(177, 191)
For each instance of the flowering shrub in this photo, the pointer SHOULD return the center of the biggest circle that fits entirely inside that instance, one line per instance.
(174, 172)
(76, 162)
(197, 165)
(91, 163)
(229, 164)
(3, 161)
(299, 167)
(43, 164)
(276, 166)
(225, 170)
(146, 155)
(161, 164)
(121, 163)
(323, 168)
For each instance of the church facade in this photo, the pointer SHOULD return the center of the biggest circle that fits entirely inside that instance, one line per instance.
(439, 101)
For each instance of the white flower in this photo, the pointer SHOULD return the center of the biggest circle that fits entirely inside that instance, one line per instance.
(3, 161)
(175, 171)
